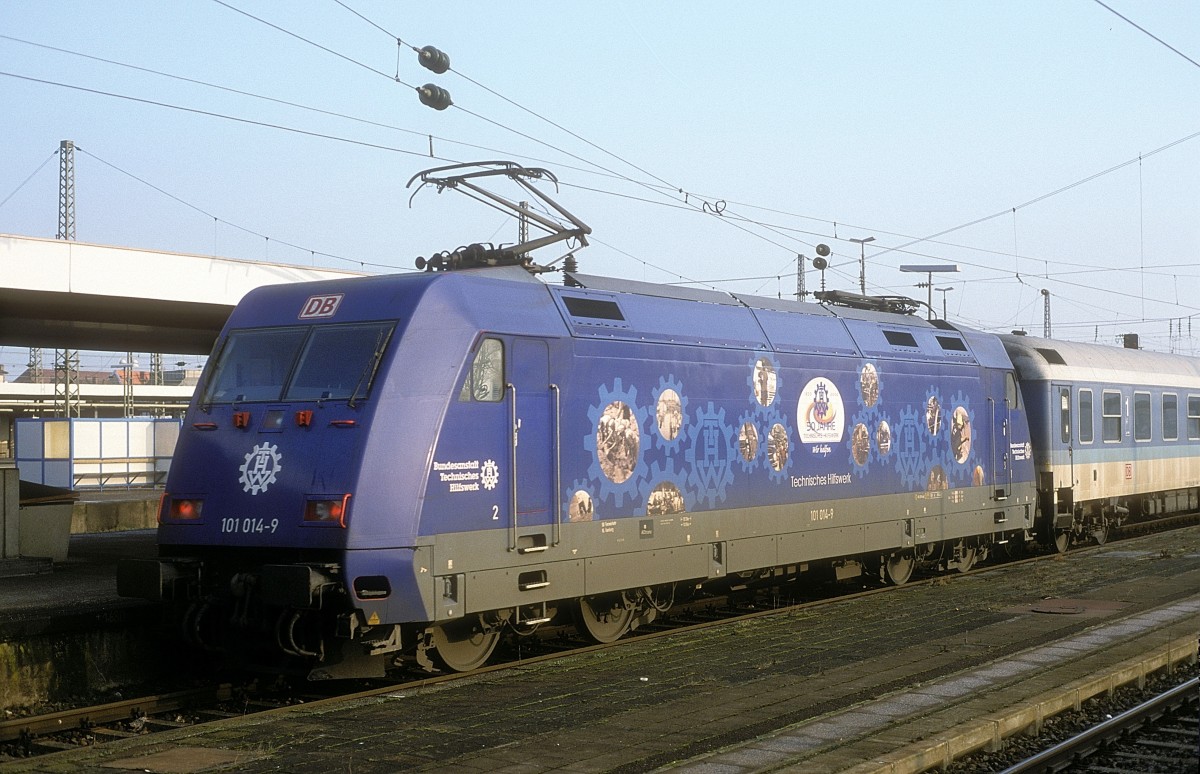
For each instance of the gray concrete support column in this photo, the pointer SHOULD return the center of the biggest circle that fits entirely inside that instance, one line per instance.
(10, 513)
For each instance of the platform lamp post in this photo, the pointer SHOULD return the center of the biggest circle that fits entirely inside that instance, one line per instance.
(862, 262)
(944, 291)
(929, 269)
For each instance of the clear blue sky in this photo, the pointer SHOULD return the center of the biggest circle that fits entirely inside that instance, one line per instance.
(897, 120)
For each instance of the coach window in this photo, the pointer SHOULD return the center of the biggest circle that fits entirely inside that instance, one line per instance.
(1064, 413)
(485, 381)
(1111, 425)
(1085, 417)
(1141, 416)
(1193, 421)
(1170, 417)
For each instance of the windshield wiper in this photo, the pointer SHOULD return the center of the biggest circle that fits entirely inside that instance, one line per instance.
(381, 340)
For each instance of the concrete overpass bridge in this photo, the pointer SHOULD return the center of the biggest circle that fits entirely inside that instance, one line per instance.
(55, 293)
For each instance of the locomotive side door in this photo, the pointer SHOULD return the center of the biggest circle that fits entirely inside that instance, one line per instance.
(1002, 437)
(534, 426)
(1062, 449)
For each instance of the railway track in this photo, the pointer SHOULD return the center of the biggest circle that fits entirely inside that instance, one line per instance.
(1159, 735)
(83, 726)
(79, 726)
(73, 728)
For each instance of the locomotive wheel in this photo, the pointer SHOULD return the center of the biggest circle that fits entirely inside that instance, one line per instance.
(899, 568)
(968, 554)
(464, 645)
(1062, 541)
(1100, 532)
(604, 619)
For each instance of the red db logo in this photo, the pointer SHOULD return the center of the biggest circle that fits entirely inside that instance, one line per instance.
(321, 306)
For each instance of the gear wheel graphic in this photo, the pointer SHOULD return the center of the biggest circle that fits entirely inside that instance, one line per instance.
(773, 419)
(910, 444)
(579, 505)
(609, 489)
(670, 446)
(765, 383)
(489, 475)
(753, 443)
(260, 467)
(711, 455)
(666, 475)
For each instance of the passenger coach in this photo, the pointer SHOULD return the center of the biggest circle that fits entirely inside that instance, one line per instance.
(1115, 433)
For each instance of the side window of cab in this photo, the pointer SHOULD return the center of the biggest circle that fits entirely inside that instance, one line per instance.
(485, 379)
(1012, 395)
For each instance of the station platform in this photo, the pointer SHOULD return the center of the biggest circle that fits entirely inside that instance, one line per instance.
(85, 581)
(39, 533)
(66, 632)
(820, 689)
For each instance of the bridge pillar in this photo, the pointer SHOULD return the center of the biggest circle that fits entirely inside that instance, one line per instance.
(10, 514)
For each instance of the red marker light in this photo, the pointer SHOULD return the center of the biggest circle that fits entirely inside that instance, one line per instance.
(185, 509)
(204, 425)
(344, 422)
(327, 511)
(304, 418)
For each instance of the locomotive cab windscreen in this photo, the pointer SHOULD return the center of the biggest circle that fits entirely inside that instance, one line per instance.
(298, 363)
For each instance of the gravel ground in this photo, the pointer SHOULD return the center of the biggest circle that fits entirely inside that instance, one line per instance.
(1065, 725)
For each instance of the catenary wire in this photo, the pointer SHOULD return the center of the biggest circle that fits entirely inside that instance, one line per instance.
(310, 108)
(400, 150)
(1139, 27)
(704, 208)
(26, 180)
(245, 229)
(733, 216)
(775, 229)
(326, 49)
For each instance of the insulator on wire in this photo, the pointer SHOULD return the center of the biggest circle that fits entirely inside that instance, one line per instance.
(434, 59)
(434, 96)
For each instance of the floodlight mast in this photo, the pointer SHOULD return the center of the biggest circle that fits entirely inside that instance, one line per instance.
(573, 228)
(929, 269)
(862, 262)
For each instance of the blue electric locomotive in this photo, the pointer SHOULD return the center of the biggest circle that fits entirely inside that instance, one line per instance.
(410, 466)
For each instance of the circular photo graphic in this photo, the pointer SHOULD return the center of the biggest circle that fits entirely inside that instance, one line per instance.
(821, 412)
(580, 507)
(748, 442)
(978, 478)
(670, 415)
(883, 438)
(860, 442)
(937, 479)
(960, 434)
(618, 439)
(764, 382)
(933, 415)
(868, 382)
(777, 447)
(664, 500)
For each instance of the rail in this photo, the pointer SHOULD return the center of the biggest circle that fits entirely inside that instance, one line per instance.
(1058, 757)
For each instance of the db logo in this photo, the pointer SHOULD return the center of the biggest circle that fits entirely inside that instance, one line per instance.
(321, 306)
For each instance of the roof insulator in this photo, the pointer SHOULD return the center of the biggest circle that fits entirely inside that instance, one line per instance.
(434, 59)
(434, 96)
